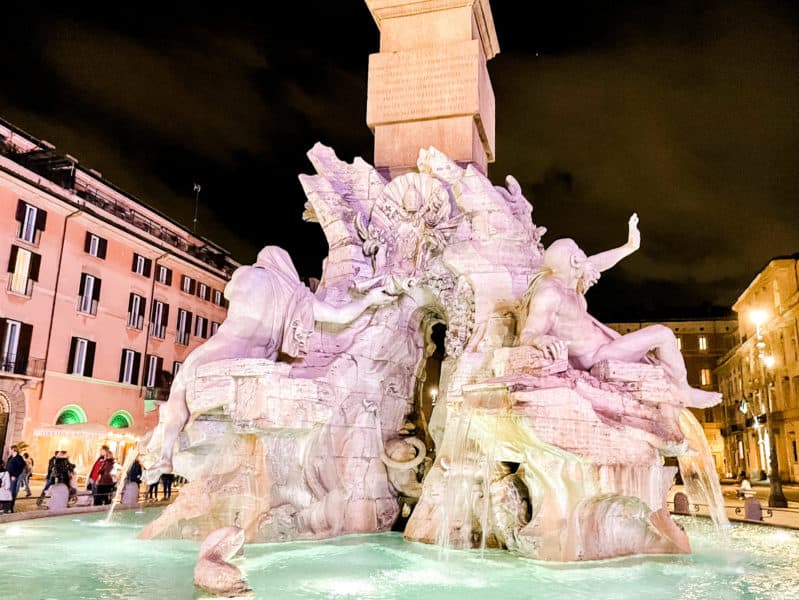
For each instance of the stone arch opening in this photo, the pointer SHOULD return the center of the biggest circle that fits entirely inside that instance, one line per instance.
(5, 414)
(71, 414)
(121, 419)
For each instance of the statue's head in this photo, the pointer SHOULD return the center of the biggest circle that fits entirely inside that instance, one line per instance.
(569, 263)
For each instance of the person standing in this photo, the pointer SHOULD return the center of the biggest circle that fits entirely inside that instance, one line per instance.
(15, 467)
(5, 489)
(94, 474)
(105, 480)
(166, 481)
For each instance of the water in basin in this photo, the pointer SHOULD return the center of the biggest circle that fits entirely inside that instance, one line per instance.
(83, 557)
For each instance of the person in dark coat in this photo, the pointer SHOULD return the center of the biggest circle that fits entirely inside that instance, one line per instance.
(49, 479)
(15, 467)
(105, 481)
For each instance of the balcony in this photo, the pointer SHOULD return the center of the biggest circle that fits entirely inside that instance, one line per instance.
(22, 365)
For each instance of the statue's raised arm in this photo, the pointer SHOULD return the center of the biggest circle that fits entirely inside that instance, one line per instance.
(605, 260)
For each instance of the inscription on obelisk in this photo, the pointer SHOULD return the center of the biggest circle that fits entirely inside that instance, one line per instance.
(429, 85)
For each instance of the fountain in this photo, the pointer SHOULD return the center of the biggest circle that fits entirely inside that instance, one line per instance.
(301, 420)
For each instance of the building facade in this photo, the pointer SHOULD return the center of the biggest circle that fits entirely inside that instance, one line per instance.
(102, 299)
(702, 343)
(759, 377)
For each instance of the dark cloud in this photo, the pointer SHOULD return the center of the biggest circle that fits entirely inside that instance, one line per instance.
(686, 112)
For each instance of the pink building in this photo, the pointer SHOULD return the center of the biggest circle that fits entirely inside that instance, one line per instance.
(101, 301)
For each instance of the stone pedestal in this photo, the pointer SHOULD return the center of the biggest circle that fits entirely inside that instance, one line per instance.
(429, 85)
(130, 494)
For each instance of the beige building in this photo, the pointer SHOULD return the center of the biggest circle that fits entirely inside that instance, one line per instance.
(702, 343)
(102, 298)
(759, 377)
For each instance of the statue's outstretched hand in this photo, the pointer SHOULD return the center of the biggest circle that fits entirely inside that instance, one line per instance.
(380, 297)
(553, 347)
(633, 235)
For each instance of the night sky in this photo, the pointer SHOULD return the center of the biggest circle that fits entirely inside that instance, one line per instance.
(686, 112)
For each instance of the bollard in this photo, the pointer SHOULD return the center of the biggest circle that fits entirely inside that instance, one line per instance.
(752, 510)
(681, 504)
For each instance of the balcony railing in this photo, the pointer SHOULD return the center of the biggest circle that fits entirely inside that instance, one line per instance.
(182, 337)
(157, 330)
(21, 364)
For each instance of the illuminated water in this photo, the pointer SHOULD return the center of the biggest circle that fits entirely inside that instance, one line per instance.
(73, 557)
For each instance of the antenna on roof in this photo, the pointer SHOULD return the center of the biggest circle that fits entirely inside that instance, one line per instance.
(197, 188)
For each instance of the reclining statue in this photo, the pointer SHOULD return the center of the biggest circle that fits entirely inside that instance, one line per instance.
(558, 324)
(270, 311)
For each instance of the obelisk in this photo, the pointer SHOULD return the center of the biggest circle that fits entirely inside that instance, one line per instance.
(429, 84)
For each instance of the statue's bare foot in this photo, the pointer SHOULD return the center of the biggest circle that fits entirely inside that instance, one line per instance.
(702, 399)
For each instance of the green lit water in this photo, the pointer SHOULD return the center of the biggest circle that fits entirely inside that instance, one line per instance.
(79, 557)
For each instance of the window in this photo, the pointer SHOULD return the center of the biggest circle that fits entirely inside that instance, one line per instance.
(159, 317)
(679, 343)
(95, 245)
(129, 367)
(164, 275)
(136, 307)
(89, 294)
(31, 221)
(704, 376)
(175, 368)
(703, 342)
(709, 415)
(184, 327)
(201, 327)
(15, 343)
(24, 268)
(187, 284)
(141, 265)
(81, 357)
(214, 327)
(154, 365)
(217, 297)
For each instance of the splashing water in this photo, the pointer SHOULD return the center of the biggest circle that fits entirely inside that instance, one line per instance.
(698, 470)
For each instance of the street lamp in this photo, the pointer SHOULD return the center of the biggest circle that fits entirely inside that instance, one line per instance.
(776, 498)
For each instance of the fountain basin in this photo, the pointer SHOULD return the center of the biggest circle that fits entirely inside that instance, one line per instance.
(80, 556)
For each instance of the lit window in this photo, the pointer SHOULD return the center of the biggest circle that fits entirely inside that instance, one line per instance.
(129, 369)
(164, 275)
(184, 327)
(153, 368)
(187, 284)
(89, 294)
(141, 265)
(158, 319)
(8, 356)
(24, 268)
(679, 343)
(218, 297)
(201, 327)
(176, 367)
(94, 245)
(214, 327)
(202, 291)
(703, 342)
(81, 357)
(704, 376)
(136, 307)
(31, 222)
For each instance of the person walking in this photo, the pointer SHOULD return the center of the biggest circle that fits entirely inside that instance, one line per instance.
(15, 467)
(26, 474)
(49, 478)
